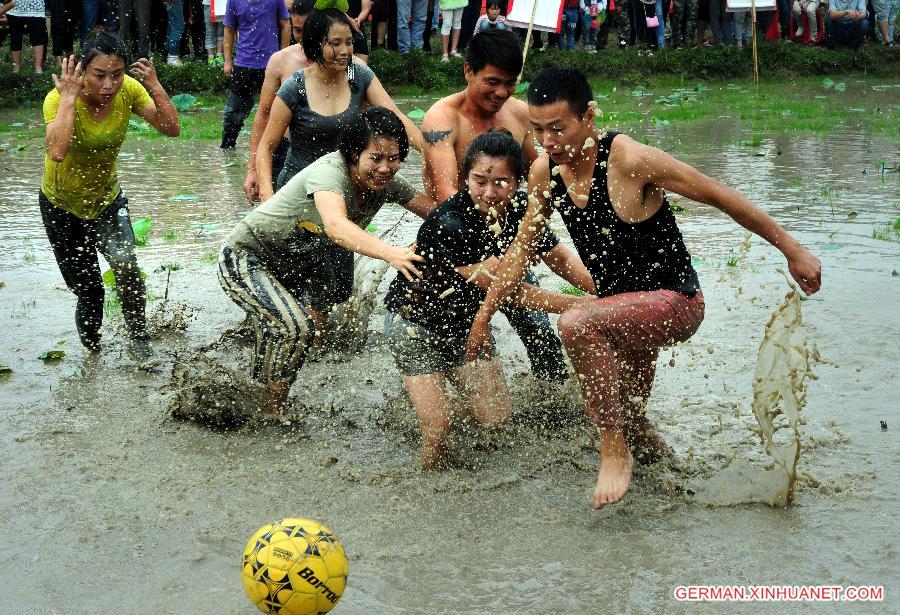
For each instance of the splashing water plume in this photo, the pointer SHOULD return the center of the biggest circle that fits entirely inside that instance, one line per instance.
(779, 390)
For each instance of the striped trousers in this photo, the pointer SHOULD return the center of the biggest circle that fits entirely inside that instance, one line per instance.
(284, 328)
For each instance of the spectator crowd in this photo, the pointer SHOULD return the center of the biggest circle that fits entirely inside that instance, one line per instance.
(181, 30)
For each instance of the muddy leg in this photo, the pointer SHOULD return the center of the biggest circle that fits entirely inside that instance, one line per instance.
(429, 398)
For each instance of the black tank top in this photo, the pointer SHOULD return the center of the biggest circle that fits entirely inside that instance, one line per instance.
(622, 257)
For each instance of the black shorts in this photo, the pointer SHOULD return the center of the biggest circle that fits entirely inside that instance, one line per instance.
(246, 82)
(35, 27)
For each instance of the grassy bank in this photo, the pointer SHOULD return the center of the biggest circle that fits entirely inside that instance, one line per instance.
(422, 73)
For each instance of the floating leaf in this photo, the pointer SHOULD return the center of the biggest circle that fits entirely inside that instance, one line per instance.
(852, 215)
(209, 227)
(641, 92)
(522, 87)
(831, 247)
(141, 230)
(229, 164)
(828, 83)
(568, 289)
(416, 114)
(179, 198)
(170, 235)
(143, 126)
(183, 102)
(840, 87)
(5, 369)
(371, 228)
(52, 355)
(21, 147)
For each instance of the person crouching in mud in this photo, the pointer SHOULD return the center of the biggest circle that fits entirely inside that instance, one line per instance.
(83, 208)
(610, 192)
(460, 244)
(299, 240)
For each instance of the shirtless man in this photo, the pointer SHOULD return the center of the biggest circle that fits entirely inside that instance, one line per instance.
(493, 63)
(610, 192)
(280, 66)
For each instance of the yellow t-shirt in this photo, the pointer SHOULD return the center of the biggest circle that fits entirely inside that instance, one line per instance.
(85, 182)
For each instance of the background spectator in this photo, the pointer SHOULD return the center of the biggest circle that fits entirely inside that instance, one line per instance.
(215, 34)
(175, 11)
(492, 19)
(846, 23)
(410, 36)
(97, 14)
(720, 22)
(743, 27)
(134, 15)
(63, 25)
(812, 19)
(28, 17)
(684, 22)
(194, 36)
(886, 16)
(571, 17)
(262, 28)
(452, 14)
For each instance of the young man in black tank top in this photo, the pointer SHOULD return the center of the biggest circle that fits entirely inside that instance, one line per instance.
(609, 190)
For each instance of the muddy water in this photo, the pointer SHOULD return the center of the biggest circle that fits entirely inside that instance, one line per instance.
(109, 505)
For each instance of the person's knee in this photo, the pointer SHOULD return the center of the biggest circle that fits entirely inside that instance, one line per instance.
(571, 327)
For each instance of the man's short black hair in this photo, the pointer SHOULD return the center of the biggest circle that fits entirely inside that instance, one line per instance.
(374, 122)
(555, 84)
(315, 32)
(302, 7)
(103, 44)
(497, 143)
(500, 48)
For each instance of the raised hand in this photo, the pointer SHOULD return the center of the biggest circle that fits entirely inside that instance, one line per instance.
(144, 71)
(71, 79)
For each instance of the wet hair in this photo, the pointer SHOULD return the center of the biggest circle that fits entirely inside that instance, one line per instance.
(315, 32)
(103, 44)
(373, 123)
(302, 7)
(500, 48)
(555, 84)
(496, 143)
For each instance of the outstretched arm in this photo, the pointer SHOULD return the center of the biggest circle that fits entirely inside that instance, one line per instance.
(661, 169)
(515, 263)
(333, 210)
(528, 296)
(421, 205)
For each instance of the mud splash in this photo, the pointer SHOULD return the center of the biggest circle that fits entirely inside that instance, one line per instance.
(779, 395)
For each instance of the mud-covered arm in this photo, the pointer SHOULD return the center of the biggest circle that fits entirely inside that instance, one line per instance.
(515, 262)
(656, 167)
(568, 265)
(528, 296)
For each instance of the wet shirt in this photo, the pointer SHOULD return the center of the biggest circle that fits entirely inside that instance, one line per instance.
(455, 235)
(85, 183)
(314, 135)
(278, 230)
(623, 257)
(258, 31)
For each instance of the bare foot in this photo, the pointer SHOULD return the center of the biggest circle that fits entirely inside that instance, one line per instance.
(647, 446)
(614, 476)
(434, 458)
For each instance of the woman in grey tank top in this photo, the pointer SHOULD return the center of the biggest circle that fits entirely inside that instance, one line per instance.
(318, 101)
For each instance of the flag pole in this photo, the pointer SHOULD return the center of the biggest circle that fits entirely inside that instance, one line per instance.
(755, 57)
(527, 39)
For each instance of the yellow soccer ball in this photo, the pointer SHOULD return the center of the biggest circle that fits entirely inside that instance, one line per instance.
(294, 567)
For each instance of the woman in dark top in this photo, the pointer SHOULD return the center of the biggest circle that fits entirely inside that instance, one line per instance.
(461, 241)
(318, 101)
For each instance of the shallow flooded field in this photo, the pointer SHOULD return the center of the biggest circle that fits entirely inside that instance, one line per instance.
(110, 505)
